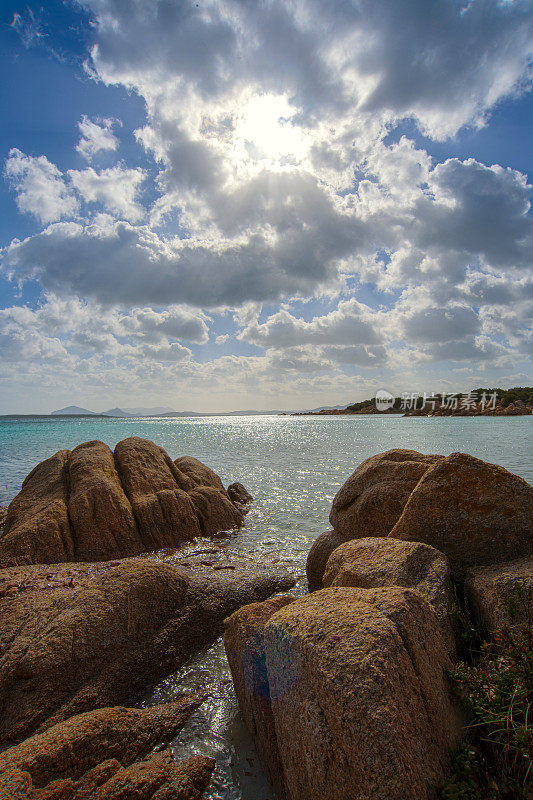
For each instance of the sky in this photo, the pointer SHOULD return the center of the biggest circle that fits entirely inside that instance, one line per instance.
(263, 204)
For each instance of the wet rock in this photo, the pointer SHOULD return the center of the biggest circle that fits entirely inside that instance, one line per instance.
(359, 697)
(372, 499)
(374, 563)
(71, 749)
(245, 649)
(92, 505)
(318, 555)
(501, 595)
(75, 637)
(476, 513)
(239, 495)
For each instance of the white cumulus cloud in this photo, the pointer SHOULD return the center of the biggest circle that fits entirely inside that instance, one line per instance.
(96, 136)
(40, 187)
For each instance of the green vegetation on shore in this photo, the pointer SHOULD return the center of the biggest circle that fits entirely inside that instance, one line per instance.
(495, 762)
(505, 397)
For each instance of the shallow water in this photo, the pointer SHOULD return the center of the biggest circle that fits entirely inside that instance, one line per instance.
(293, 466)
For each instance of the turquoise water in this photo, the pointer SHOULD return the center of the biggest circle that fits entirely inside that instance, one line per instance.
(293, 466)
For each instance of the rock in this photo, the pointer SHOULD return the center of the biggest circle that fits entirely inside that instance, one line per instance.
(97, 506)
(15, 785)
(360, 701)
(215, 511)
(501, 595)
(95, 778)
(93, 505)
(239, 495)
(372, 499)
(199, 474)
(72, 748)
(75, 637)
(318, 555)
(474, 512)
(37, 525)
(158, 495)
(159, 777)
(374, 563)
(245, 649)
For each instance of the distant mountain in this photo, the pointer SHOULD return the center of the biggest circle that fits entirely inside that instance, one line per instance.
(148, 412)
(116, 412)
(75, 411)
(155, 412)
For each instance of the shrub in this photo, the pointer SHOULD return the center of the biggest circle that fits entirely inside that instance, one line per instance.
(495, 762)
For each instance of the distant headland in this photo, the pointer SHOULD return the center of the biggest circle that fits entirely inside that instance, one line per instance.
(517, 401)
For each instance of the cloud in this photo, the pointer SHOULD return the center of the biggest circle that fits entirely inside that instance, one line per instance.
(437, 324)
(445, 63)
(116, 188)
(96, 136)
(174, 322)
(29, 27)
(68, 330)
(286, 235)
(351, 323)
(122, 264)
(40, 187)
(268, 177)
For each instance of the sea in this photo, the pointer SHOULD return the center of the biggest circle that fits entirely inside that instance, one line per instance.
(293, 466)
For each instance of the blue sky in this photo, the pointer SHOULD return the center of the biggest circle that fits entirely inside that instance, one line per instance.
(222, 205)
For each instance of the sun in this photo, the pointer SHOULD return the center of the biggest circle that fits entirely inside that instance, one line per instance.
(266, 131)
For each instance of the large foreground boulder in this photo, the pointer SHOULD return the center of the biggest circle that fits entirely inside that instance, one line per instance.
(359, 699)
(375, 563)
(370, 502)
(92, 504)
(75, 637)
(474, 512)
(501, 595)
